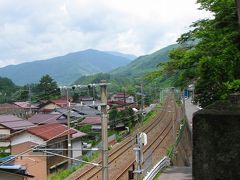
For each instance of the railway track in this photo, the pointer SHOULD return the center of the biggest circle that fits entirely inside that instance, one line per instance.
(121, 157)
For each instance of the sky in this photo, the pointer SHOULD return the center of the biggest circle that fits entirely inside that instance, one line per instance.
(41, 29)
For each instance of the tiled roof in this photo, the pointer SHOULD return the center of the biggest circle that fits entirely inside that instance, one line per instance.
(14, 123)
(47, 119)
(92, 120)
(25, 105)
(49, 131)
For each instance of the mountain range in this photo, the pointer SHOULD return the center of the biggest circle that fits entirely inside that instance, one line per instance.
(65, 69)
(135, 70)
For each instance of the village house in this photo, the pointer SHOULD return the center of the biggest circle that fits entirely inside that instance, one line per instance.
(94, 121)
(10, 124)
(50, 136)
(51, 105)
(13, 109)
(122, 97)
(11, 171)
(27, 107)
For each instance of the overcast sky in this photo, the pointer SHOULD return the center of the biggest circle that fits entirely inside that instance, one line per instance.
(40, 29)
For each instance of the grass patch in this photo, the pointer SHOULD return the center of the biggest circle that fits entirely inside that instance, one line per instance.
(61, 175)
(149, 116)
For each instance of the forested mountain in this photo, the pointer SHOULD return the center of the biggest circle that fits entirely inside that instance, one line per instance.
(64, 69)
(144, 64)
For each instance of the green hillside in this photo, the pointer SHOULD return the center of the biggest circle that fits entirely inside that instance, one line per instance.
(144, 64)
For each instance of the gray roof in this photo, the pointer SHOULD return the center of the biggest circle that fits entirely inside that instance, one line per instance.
(73, 114)
(86, 111)
(48, 119)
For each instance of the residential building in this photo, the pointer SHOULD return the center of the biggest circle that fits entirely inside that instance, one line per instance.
(94, 121)
(51, 105)
(13, 109)
(27, 107)
(12, 171)
(123, 97)
(50, 136)
(8, 125)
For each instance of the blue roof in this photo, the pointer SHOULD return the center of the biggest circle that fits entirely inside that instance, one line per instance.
(10, 166)
(6, 158)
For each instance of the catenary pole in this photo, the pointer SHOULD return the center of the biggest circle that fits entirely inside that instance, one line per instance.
(103, 86)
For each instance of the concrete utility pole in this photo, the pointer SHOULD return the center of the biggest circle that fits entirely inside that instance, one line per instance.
(139, 156)
(139, 147)
(142, 104)
(160, 95)
(69, 136)
(30, 100)
(103, 86)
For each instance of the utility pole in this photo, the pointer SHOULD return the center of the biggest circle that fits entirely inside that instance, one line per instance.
(30, 100)
(139, 147)
(68, 123)
(160, 95)
(124, 96)
(142, 103)
(103, 86)
(139, 156)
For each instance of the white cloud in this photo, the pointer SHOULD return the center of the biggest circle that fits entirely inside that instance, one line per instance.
(33, 30)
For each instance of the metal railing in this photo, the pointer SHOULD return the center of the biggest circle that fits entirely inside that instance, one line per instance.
(158, 167)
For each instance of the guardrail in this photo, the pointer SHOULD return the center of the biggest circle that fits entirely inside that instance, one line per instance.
(158, 167)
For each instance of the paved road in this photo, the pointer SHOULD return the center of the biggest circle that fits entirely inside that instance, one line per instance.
(177, 173)
(181, 173)
(190, 109)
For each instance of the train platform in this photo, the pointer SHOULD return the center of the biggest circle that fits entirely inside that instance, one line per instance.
(176, 173)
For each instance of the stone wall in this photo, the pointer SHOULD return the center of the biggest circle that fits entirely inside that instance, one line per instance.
(216, 142)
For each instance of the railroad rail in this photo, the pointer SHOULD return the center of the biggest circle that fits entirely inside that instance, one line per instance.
(121, 157)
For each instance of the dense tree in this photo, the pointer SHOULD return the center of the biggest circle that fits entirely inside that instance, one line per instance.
(209, 54)
(7, 89)
(48, 88)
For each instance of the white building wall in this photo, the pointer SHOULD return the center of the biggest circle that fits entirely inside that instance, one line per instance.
(25, 137)
(5, 131)
(76, 144)
(130, 99)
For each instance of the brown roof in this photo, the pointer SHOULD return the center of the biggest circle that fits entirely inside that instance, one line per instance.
(14, 122)
(8, 106)
(92, 120)
(25, 105)
(49, 131)
(60, 102)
